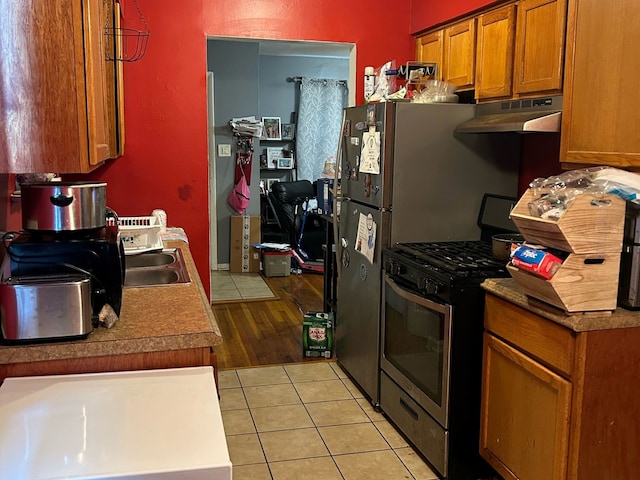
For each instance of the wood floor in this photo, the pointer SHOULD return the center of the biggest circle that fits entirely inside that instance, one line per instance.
(268, 332)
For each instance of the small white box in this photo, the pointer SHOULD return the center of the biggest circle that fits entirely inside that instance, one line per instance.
(276, 264)
(140, 234)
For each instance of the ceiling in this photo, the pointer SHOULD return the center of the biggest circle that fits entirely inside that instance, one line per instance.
(305, 49)
(298, 48)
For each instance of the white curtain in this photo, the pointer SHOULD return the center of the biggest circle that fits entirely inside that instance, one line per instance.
(318, 126)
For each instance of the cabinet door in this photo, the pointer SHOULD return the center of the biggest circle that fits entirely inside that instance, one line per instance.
(524, 431)
(494, 53)
(100, 78)
(460, 54)
(119, 82)
(601, 109)
(42, 106)
(539, 46)
(429, 48)
(56, 113)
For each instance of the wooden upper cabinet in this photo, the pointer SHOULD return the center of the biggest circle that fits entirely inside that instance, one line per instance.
(459, 54)
(601, 114)
(539, 48)
(494, 53)
(118, 93)
(58, 112)
(430, 48)
(518, 50)
(453, 49)
(100, 82)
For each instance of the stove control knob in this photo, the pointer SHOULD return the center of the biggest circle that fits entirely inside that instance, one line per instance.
(394, 268)
(431, 287)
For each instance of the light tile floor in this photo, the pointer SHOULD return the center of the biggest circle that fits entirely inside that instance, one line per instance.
(309, 421)
(238, 286)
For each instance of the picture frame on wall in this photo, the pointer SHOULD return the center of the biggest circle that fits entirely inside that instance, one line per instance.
(271, 181)
(288, 131)
(273, 154)
(272, 128)
(285, 163)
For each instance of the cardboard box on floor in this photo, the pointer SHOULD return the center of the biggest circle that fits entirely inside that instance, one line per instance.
(245, 232)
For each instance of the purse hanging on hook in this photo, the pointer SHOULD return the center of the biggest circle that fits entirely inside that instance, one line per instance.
(244, 159)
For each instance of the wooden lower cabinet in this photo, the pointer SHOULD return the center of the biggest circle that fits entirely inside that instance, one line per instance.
(525, 426)
(558, 404)
(191, 357)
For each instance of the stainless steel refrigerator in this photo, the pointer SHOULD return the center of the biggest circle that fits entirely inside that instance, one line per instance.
(405, 177)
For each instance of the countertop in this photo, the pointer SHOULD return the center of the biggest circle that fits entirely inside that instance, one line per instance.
(507, 289)
(152, 319)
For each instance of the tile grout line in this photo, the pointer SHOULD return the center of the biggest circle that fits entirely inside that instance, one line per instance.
(333, 459)
(370, 420)
(264, 453)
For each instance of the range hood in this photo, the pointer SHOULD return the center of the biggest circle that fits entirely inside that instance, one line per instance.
(521, 116)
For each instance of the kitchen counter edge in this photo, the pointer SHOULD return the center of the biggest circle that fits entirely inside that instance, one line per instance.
(507, 289)
(152, 319)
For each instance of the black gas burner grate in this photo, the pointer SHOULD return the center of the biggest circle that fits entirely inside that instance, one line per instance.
(458, 257)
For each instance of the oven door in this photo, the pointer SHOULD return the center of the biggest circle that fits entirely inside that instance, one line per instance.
(416, 347)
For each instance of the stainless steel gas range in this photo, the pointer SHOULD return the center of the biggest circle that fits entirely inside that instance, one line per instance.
(431, 353)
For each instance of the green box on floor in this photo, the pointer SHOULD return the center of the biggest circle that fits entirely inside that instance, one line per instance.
(317, 334)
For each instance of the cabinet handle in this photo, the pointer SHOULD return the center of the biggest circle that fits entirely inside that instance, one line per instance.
(61, 200)
(409, 409)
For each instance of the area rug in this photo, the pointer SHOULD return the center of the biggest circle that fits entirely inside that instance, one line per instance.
(238, 287)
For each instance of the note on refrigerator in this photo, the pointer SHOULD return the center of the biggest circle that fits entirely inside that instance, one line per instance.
(370, 157)
(366, 240)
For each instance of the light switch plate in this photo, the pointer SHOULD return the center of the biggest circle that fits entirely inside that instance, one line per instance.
(224, 150)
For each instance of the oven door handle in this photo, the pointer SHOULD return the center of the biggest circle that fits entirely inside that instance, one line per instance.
(412, 297)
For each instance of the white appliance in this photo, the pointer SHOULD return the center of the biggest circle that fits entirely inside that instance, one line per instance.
(153, 424)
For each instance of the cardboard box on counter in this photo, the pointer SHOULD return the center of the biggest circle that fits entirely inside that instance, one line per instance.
(245, 232)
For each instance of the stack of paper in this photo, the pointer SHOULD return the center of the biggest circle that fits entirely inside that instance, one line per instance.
(248, 126)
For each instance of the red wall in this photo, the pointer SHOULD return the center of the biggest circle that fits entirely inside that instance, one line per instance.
(540, 158)
(166, 163)
(425, 13)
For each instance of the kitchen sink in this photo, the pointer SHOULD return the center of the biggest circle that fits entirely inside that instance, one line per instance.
(155, 268)
(150, 276)
(151, 259)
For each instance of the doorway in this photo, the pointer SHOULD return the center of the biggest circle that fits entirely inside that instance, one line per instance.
(251, 79)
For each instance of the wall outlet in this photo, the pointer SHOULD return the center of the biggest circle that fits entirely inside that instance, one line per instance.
(224, 150)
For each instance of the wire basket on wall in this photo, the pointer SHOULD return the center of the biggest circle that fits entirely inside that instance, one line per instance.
(131, 44)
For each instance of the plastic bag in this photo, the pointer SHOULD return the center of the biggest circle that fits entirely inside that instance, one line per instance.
(553, 195)
(240, 195)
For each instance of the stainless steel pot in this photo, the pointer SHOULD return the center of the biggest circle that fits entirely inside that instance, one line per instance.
(60, 206)
(501, 245)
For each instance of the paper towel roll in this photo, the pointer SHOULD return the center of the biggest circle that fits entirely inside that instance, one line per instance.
(161, 215)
